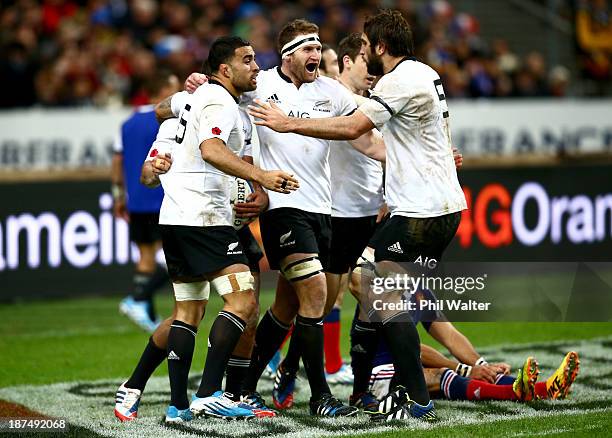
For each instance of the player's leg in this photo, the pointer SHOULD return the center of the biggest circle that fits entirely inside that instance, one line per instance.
(271, 332)
(286, 373)
(331, 328)
(189, 255)
(402, 241)
(240, 358)
(276, 322)
(235, 285)
(148, 275)
(306, 275)
(364, 335)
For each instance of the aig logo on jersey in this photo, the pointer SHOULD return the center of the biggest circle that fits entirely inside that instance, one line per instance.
(299, 115)
(231, 249)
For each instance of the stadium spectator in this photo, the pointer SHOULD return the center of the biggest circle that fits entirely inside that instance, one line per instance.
(594, 37)
(67, 53)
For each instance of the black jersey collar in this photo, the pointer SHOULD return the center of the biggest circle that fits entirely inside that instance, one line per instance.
(283, 75)
(405, 58)
(215, 82)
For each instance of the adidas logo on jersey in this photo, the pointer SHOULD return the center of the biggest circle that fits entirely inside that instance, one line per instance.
(274, 99)
(173, 356)
(477, 394)
(396, 248)
(231, 249)
(358, 349)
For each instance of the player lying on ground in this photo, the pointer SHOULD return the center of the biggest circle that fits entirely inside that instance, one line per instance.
(457, 383)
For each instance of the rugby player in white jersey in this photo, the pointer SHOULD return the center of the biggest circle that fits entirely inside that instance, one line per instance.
(421, 188)
(356, 184)
(159, 162)
(296, 229)
(202, 248)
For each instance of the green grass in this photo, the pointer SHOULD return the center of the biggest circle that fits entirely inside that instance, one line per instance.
(596, 424)
(49, 342)
(86, 339)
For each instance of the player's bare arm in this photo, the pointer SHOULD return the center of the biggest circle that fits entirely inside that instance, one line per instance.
(461, 348)
(216, 153)
(371, 144)
(257, 202)
(163, 110)
(118, 188)
(152, 169)
(432, 358)
(332, 128)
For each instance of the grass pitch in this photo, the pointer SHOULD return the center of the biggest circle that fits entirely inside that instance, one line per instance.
(66, 358)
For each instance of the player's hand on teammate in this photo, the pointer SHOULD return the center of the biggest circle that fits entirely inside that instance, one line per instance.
(194, 81)
(269, 114)
(458, 157)
(257, 202)
(161, 163)
(277, 180)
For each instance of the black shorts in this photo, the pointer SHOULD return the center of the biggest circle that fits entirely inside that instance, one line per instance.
(192, 252)
(251, 248)
(286, 231)
(404, 239)
(350, 236)
(144, 227)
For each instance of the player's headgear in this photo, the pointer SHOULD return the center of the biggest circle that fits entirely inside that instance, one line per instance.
(298, 42)
(297, 34)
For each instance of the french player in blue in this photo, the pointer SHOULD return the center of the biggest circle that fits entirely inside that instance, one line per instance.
(139, 205)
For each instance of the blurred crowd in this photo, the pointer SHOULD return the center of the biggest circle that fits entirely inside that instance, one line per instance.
(100, 52)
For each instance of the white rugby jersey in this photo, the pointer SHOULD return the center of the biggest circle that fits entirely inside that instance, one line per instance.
(356, 182)
(197, 193)
(305, 157)
(409, 107)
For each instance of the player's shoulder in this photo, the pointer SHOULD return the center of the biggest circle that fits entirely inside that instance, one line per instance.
(330, 85)
(213, 94)
(411, 70)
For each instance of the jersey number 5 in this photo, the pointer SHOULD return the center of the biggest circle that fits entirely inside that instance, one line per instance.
(442, 97)
(180, 133)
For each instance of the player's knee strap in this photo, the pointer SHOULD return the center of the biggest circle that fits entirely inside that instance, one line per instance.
(198, 291)
(236, 282)
(302, 269)
(365, 264)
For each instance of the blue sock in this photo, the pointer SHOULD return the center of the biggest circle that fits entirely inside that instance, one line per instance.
(502, 379)
(333, 316)
(453, 385)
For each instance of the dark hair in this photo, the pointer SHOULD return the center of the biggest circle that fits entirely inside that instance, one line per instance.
(293, 29)
(390, 28)
(158, 80)
(222, 51)
(349, 46)
(324, 47)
